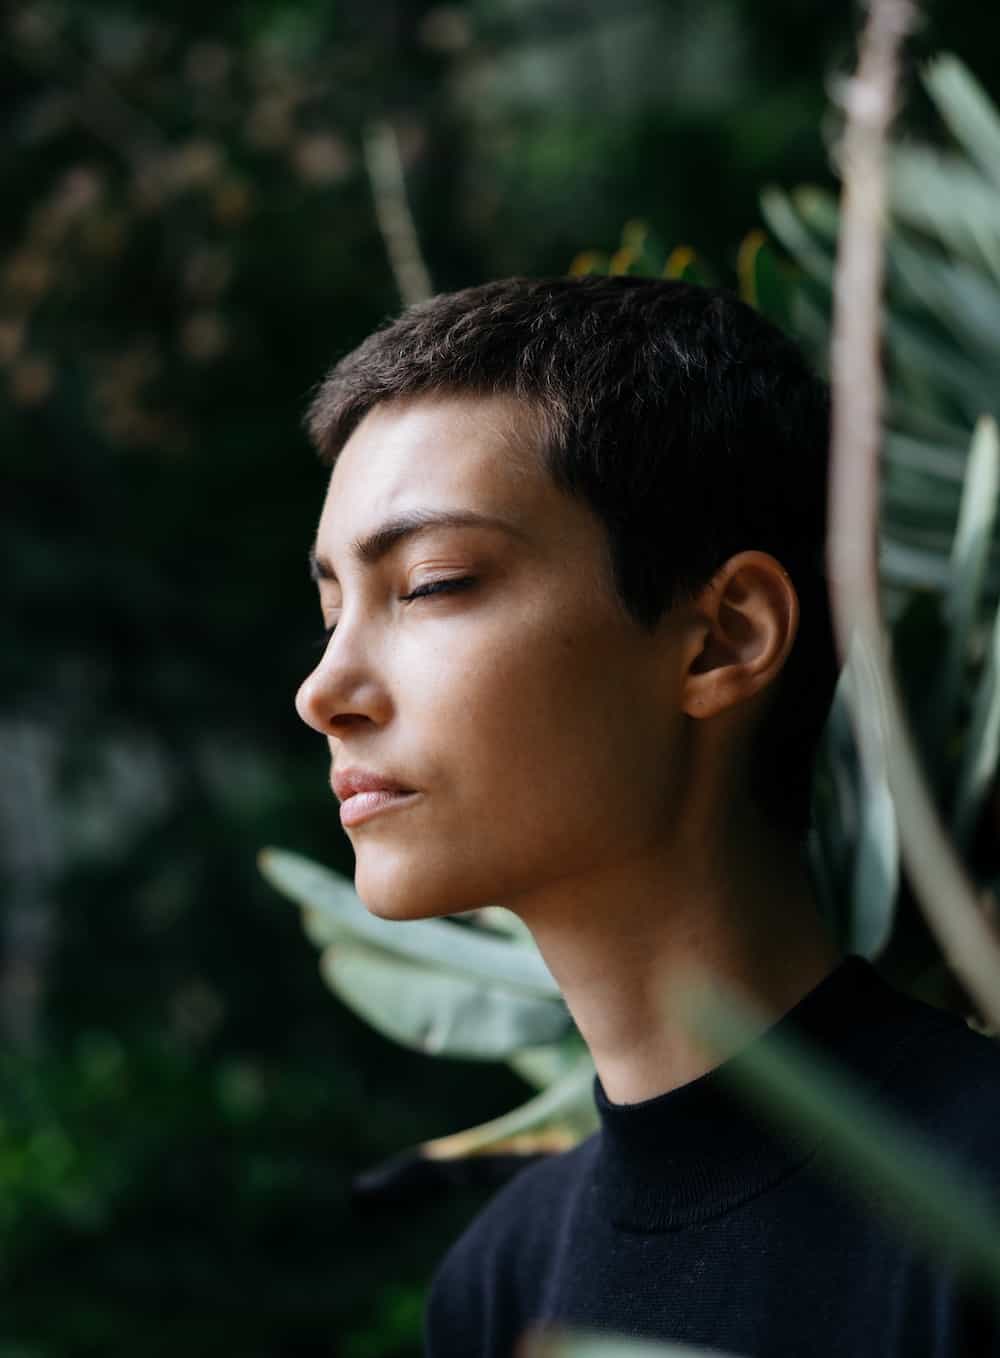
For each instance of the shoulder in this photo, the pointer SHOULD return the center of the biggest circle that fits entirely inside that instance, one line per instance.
(945, 1077)
(479, 1285)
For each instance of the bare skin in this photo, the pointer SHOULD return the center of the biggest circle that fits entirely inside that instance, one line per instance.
(556, 757)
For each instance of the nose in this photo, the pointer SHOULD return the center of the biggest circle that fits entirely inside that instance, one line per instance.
(342, 692)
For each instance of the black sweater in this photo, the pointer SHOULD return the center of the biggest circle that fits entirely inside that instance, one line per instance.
(685, 1218)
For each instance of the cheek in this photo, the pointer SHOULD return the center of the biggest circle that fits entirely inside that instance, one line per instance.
(554, 741)
(541, 758)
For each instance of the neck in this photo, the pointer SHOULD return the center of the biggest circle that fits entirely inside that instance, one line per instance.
(744, 917)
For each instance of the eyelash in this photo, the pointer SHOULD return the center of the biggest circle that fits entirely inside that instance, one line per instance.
(425, 591)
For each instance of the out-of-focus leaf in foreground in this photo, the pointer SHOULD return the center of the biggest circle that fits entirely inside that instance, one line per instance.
(888, 1162)
(575, 1344)
(472, 953)
(435, 1010)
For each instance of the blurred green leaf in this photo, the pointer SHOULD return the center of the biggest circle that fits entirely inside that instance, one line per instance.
(967, 109)
(962, 298)
(781, 216)
(969, 557)
(458, 949)
(889, 1162)
(982, 746)
(542, 1066)
(569, 1100)
(876, 871)
(577, 1344)
(433, 1010)
(941, 194)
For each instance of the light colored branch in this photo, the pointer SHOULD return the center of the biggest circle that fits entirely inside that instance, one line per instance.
(392, 212)
(945, 893)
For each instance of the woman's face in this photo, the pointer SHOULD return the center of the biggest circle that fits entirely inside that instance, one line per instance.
(482, 664)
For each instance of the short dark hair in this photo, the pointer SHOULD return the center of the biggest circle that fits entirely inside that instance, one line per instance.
(692, 426)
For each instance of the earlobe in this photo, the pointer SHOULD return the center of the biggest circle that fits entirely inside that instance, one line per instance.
(747, 619)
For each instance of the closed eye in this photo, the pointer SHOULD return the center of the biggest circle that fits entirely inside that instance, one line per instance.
(424, 591)
(449, 586)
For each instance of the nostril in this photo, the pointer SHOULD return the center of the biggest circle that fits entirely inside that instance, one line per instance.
(346, 720)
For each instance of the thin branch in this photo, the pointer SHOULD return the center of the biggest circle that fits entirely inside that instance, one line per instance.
(947, 896)
(392, 212)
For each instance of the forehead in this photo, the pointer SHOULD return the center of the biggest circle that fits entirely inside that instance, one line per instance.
(438, 452)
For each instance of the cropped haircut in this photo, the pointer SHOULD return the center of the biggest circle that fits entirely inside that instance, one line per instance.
(691, 426)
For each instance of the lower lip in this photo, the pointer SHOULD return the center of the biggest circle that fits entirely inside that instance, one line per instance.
(364, 805)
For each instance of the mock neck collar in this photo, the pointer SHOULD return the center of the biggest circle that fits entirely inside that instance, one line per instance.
(699, 1150)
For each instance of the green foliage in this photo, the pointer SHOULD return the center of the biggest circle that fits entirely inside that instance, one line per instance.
(510, 961)
(940, 550)
(573, 1344)
(188, 240)
(450, 989)
(939, 527)
(181, 1186)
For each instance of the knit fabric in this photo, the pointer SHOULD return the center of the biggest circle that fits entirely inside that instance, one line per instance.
(688, 1218)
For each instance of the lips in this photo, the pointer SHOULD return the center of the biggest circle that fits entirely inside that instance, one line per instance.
(351, 782)
(363, 794)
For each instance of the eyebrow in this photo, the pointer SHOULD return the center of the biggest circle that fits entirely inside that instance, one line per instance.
(371, 548)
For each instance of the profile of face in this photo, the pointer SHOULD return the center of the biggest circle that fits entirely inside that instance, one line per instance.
(525, 730)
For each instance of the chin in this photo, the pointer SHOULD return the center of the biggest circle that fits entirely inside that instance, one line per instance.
(399, 891)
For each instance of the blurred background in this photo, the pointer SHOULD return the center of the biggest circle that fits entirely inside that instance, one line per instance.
(200, 213)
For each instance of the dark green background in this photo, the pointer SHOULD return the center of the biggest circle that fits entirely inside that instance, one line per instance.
(183, 1103)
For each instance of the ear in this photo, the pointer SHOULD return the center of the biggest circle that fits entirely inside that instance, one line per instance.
(743, 625)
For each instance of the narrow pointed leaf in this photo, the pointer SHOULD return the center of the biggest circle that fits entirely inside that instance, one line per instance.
(967, 109)
(970, 555)
(960, 297)
(943, 195)
(982, 748)
(876, 872)
(781, 216)
(941, 463)
(884, 1157)
(570, 1099)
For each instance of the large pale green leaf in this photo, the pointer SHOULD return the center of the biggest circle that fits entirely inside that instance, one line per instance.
(837, 816)
(459, 949)
(876, 871)
(874, 836)
(542, 1066)
(501, 921)
(577, 1344)
(967, 109)
(982, 746)
(568, 1101)
(435, 1011)
(889, 1162)
(969, 558)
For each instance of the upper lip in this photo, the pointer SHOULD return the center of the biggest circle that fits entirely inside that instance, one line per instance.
(349, 782)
